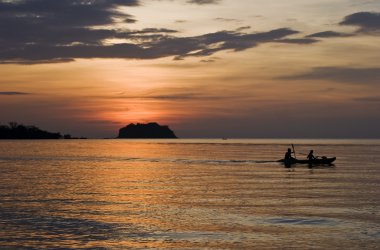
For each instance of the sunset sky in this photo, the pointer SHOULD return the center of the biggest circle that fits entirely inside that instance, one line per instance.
(206, 68)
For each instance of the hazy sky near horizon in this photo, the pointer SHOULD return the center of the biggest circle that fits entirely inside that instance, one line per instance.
(207, 68)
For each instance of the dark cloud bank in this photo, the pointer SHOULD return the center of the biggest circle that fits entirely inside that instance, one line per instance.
(366, 22)
(42, 31)
(201, 2)
(365, 76)
(11, 93)
(45, 31)
(328, 34)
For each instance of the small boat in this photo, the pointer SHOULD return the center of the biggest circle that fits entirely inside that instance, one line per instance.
(318, 161)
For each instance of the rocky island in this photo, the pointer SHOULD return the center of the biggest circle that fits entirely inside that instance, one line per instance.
(146, 131)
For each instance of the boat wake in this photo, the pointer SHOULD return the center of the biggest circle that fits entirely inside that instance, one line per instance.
(136, 159)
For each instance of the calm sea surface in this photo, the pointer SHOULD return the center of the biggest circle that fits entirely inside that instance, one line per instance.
(187, 194)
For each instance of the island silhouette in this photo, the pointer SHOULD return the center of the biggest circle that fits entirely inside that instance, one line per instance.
(151, 130)
(146, 131)
(18, 131)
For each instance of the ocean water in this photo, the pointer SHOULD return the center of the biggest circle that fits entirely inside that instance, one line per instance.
(188, 194)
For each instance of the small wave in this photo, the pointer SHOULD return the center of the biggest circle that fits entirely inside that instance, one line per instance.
(302, 221)
(53, 158)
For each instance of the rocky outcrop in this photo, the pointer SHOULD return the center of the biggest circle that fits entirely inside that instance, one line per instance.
(146, 131)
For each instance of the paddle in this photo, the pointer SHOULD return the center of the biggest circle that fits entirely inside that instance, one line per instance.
(294, 152)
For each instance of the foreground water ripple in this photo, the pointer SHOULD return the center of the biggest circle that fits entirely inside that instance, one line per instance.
(187, 194)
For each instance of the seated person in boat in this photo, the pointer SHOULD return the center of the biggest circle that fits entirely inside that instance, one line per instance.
(311, 156)
(288, 158)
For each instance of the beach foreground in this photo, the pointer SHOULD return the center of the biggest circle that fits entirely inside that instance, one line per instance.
(187, 194)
